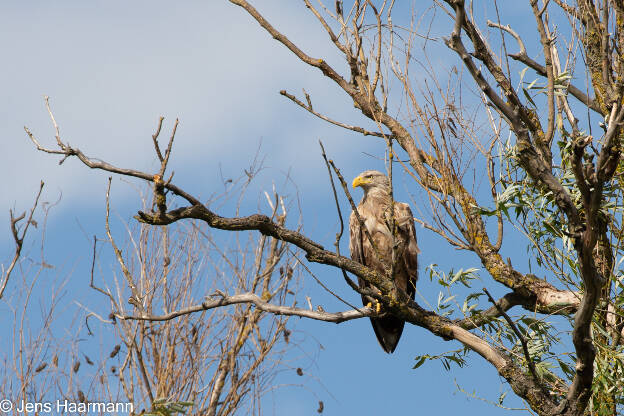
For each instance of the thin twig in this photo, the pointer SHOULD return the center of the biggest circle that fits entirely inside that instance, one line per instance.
(155, 138)
(513, 326)
(359, 290)
(92, 284)
(309, 108)
(136, 296)
(350, 282)
(523, 57)
(19, 240)
(345, 188)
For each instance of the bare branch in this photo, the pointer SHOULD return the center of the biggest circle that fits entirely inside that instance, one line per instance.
(136, 298)
(19, 239)
(155, 139)
(252, 298)
(350, 282)
(66, 150)
(544, 142)
(318, 63)
(329, 120)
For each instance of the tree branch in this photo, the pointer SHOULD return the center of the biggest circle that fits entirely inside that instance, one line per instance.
(92, 163)
(309, 108)
(523, 57)
(503, 304)
(513, 326)
(317, 63)
(19, 240)
(252, 298)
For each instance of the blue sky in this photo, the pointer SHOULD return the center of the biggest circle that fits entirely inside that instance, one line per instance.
(111, 68)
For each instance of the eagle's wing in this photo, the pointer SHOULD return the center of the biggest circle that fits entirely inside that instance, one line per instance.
(407, 232)
(360, 249)
(355, 241)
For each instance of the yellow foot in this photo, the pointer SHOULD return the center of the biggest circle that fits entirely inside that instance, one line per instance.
(377, 307)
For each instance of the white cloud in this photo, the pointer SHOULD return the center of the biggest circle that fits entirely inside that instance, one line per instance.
(111, 74)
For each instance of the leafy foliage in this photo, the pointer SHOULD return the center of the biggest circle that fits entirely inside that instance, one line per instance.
(165, 407)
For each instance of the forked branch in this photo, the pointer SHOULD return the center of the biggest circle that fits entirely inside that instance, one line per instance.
(18, 239)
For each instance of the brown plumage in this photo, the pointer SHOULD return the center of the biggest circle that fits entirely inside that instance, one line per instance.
(374, 210)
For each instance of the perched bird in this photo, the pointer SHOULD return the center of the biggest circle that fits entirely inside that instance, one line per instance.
(374, 210)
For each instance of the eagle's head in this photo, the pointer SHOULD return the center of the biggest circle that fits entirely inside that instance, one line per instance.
(372, 179)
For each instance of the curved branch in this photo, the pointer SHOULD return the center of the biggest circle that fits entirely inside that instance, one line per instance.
(252, 298)
(314, 251)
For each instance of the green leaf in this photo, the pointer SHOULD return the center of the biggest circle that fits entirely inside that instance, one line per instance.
(528, 97)
(421, 361)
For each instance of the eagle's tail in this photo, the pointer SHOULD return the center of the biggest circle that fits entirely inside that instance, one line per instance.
(388, 331)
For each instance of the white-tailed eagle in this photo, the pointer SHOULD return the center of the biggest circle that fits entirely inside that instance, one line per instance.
(374, 210)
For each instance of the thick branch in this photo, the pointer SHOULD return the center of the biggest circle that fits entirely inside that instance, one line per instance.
(314, 251)
(395, 301)
(545, 141)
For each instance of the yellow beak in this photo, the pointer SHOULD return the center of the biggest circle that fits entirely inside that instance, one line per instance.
(359, 181)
